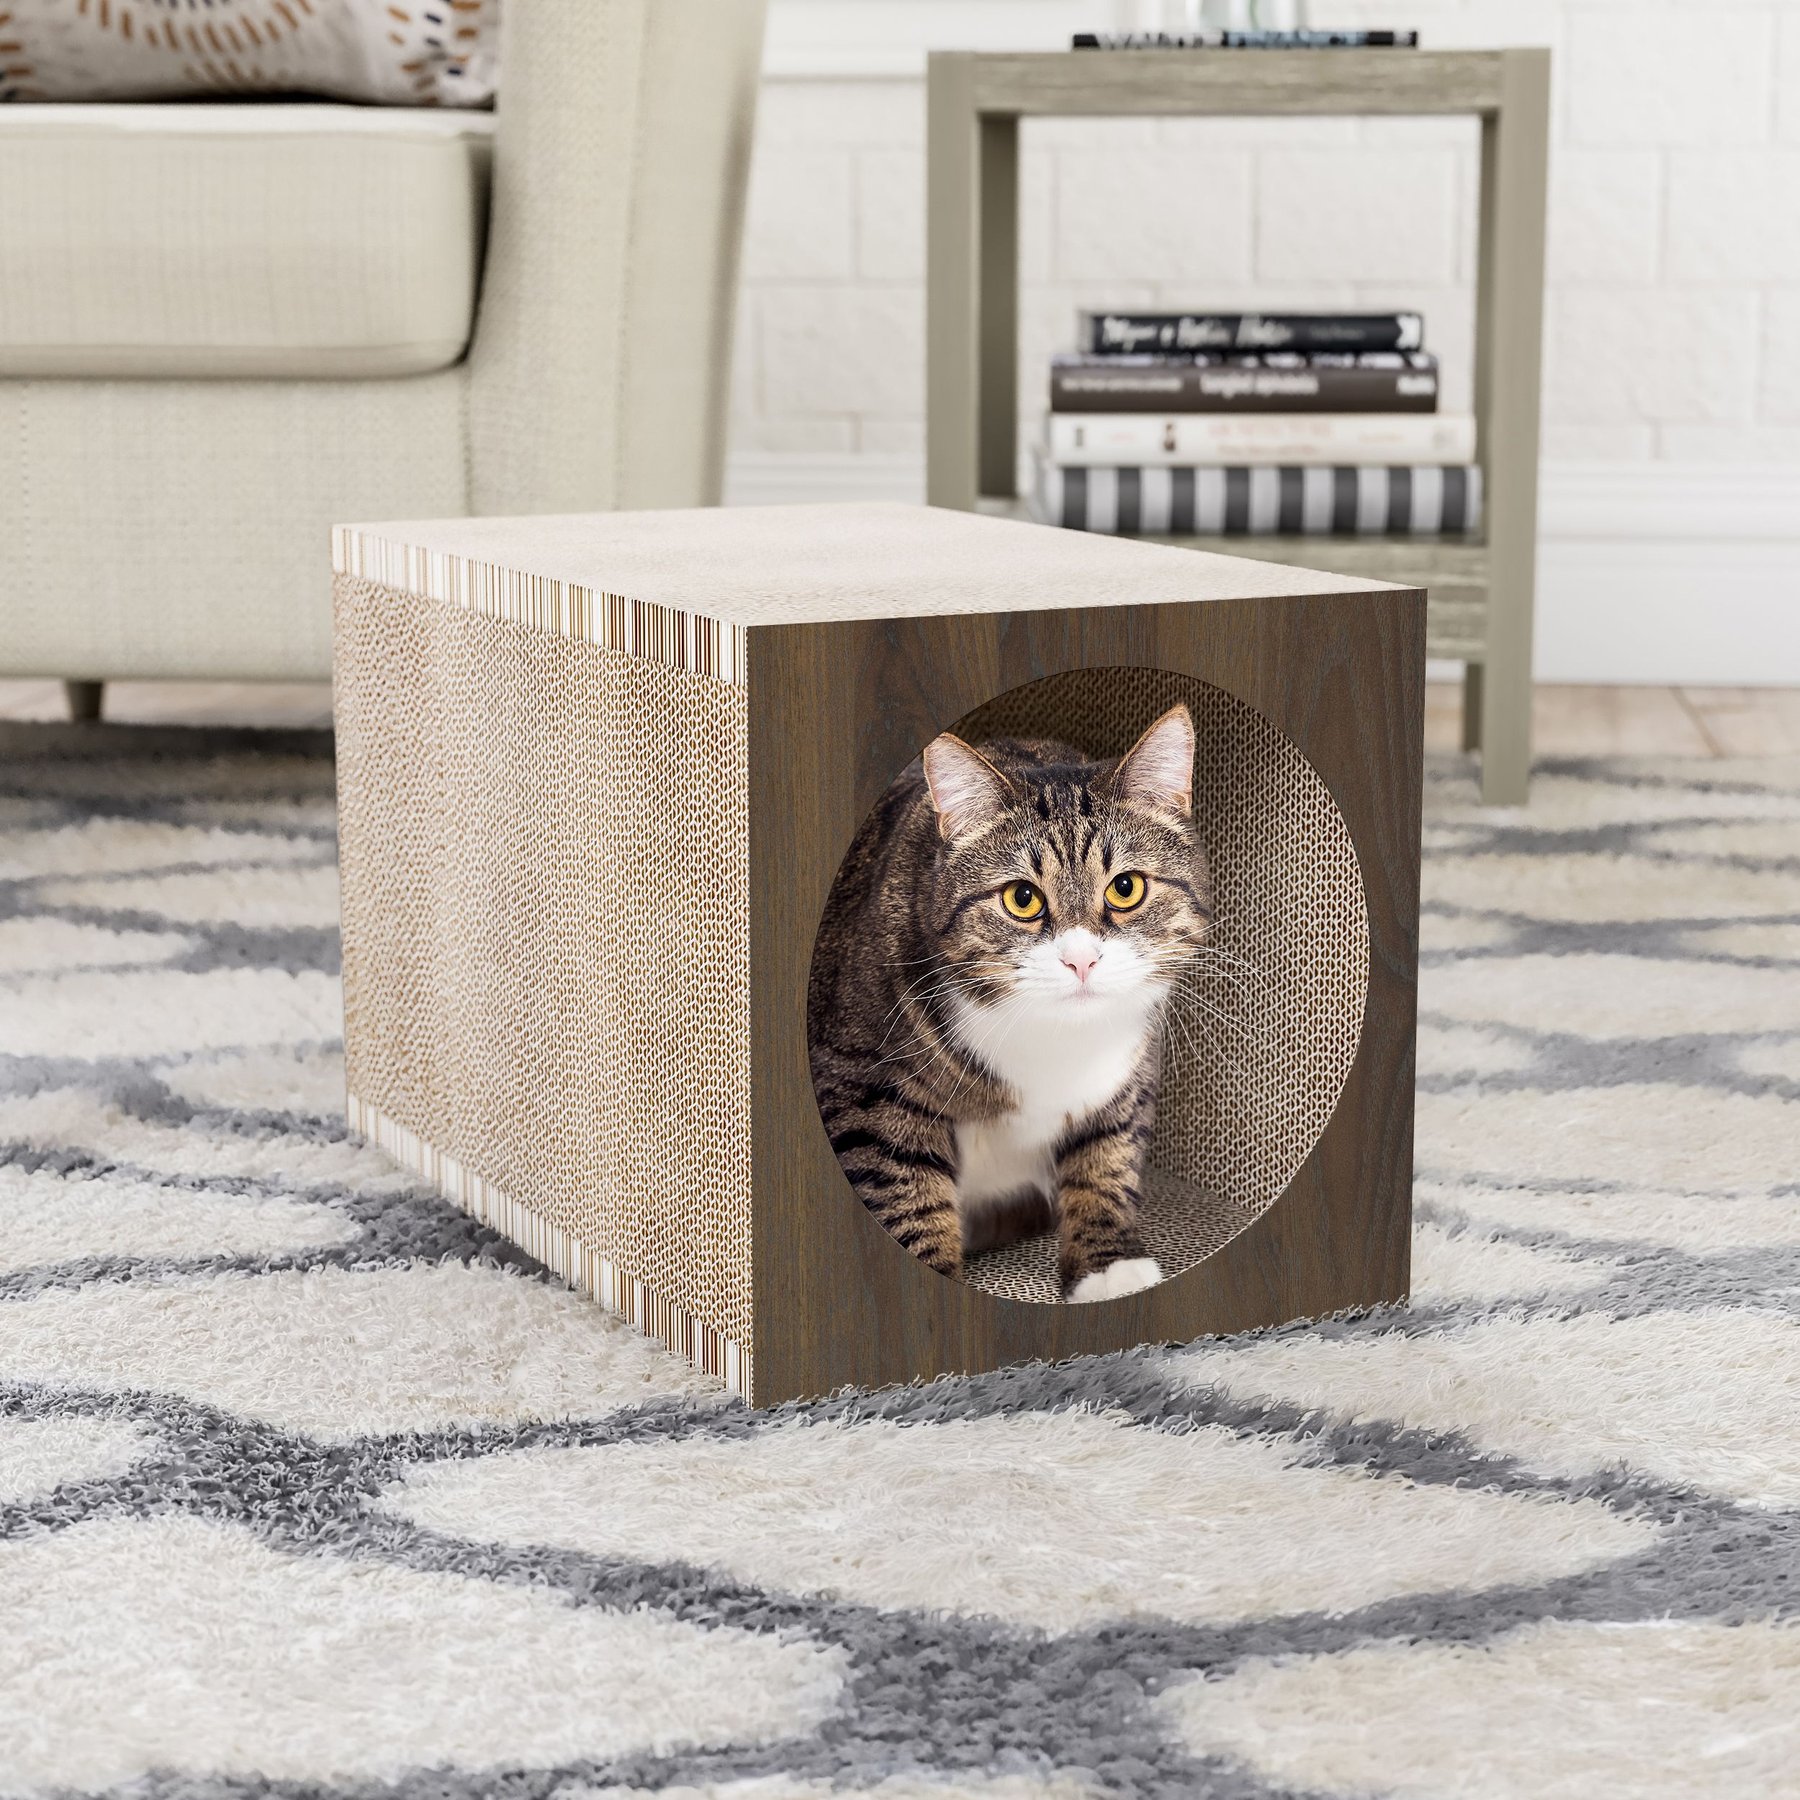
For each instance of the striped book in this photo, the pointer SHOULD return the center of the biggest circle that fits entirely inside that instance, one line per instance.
(1427, 500)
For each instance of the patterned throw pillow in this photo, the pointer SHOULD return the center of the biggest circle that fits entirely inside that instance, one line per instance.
(390, 52)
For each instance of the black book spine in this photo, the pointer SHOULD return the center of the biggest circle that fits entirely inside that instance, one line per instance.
(1102, 385)
(1138, 334)
(1351, 39)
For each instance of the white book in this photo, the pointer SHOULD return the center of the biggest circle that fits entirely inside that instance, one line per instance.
(1182, 440)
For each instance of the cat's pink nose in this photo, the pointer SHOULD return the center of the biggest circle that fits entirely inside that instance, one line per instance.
(1080, 957)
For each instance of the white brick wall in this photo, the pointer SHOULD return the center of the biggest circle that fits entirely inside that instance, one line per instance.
(1673, 317)
(1664, 75)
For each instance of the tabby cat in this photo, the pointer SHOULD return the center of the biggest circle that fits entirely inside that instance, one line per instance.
(987, 991)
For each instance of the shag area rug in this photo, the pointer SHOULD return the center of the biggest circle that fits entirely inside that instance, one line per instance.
(310, 1487)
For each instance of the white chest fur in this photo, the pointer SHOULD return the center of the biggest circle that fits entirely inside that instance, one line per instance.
(1062, 1074)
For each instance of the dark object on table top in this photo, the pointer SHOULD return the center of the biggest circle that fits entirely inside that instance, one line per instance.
(1246, 40)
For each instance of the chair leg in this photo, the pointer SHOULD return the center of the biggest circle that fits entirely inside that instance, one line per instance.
(85, 700)
(1471, 711)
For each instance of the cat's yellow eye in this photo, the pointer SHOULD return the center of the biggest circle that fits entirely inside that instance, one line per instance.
(1022, 901)
(1126, 890)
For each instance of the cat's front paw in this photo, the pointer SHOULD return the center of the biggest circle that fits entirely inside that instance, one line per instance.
(1130, 1276)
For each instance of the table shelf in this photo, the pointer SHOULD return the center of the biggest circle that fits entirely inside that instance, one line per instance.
(1481, 595)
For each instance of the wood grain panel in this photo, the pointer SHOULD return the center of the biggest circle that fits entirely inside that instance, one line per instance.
(835, 712)
(1289, 82)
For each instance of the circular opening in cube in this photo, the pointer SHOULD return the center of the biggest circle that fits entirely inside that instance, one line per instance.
(943, 1048)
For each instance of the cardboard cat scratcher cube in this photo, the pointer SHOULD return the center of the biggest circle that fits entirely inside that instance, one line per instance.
(596, 779)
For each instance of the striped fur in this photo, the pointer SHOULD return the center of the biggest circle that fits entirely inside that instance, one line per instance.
(953, 1042)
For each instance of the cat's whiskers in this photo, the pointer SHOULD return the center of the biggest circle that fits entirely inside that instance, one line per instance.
(1196, 1036)
(1212, 963)
(1250, 969)
(1179, 1037)
(1193, 1000)
(952, 971)
(930, 1054)
(997, 1028)
(928, 1050)
(1178, 975)
(950, 980)
(1233, 984)
(1179, 1019)
(1195, 982)
(922, 1000)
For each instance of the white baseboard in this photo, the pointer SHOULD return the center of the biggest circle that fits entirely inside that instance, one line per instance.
(1690, 502)
(1669, 573)
(1647, 572)
(1701, 613)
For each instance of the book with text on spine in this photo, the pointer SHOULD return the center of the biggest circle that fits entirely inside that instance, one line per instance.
(1350, 39)
(1421, 500)
(1135, 333)
(1373, 381)
(1175, 439)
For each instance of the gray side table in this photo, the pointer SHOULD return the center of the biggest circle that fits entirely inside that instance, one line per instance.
(1481, 592)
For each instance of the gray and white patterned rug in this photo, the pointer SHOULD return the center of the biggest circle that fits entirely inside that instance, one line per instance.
(308, 1488)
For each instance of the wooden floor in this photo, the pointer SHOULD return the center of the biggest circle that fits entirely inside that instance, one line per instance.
(1568, 721)
(1639, 721)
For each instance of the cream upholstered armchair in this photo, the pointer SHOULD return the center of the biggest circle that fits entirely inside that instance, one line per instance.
(225, 327)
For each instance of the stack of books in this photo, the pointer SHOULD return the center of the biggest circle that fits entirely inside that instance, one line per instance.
(1178, 424)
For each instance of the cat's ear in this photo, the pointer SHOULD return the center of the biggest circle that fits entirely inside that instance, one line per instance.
(1158, 770)
(967, 790)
